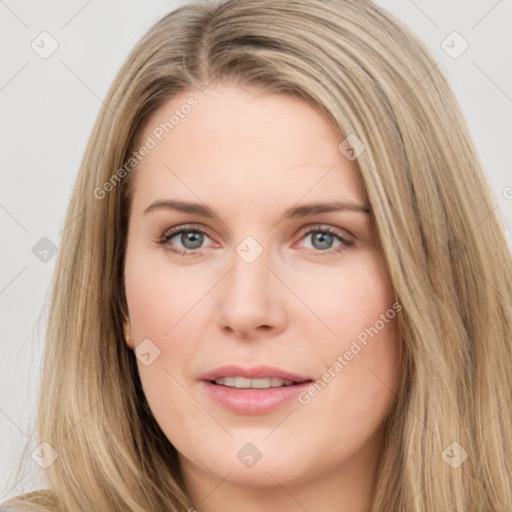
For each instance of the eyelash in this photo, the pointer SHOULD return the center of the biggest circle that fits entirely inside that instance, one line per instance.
(164, 239)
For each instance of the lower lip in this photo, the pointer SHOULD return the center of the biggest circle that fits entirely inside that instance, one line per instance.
(254, 401)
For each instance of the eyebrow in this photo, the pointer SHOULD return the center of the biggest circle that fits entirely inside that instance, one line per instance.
(314, 208)
(293, 212)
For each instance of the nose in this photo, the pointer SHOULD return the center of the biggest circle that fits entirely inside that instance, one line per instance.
(251, 300)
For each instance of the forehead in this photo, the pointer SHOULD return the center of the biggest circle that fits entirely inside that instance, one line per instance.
(239, 144)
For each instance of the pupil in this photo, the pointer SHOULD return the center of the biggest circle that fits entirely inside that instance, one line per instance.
(324, 239)
(191, 239)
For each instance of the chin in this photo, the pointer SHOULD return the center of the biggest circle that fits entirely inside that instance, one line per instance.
(269, 470)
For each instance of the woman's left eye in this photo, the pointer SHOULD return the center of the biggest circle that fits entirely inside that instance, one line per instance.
(327, 240)
(191, 238)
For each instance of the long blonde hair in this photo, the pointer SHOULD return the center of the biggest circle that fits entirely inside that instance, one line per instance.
(442, 238)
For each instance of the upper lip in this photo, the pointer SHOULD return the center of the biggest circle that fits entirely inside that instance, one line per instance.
(256, 372)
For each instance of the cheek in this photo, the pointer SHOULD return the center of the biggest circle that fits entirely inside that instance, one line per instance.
(161, 302)
(159, 295)
(358, 353)
(348, 298)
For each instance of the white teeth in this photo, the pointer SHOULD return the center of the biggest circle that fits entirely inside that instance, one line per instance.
(245, 383)
(229, 381)
(259, 383)
(242, 382)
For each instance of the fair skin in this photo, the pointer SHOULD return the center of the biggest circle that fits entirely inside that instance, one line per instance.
(249, 156)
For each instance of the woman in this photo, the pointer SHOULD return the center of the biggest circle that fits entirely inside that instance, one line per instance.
(285, 285)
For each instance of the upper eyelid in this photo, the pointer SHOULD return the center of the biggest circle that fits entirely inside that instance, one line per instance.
(176, 230)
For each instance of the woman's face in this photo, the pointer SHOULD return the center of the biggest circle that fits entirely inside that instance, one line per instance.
(268, 282)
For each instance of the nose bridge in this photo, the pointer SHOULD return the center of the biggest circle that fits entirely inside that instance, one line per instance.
(249, 299)
(249, 277)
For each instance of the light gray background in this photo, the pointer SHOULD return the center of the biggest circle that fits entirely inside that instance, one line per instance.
(48, 110)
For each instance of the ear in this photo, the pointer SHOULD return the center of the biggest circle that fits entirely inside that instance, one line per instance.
(127, 338)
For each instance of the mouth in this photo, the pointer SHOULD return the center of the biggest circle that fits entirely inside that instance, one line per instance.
(249, 391)
(259, 383)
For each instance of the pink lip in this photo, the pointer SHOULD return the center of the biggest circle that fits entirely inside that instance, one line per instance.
(253, 401)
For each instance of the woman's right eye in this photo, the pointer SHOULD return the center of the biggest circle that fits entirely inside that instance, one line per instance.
(184, 240)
